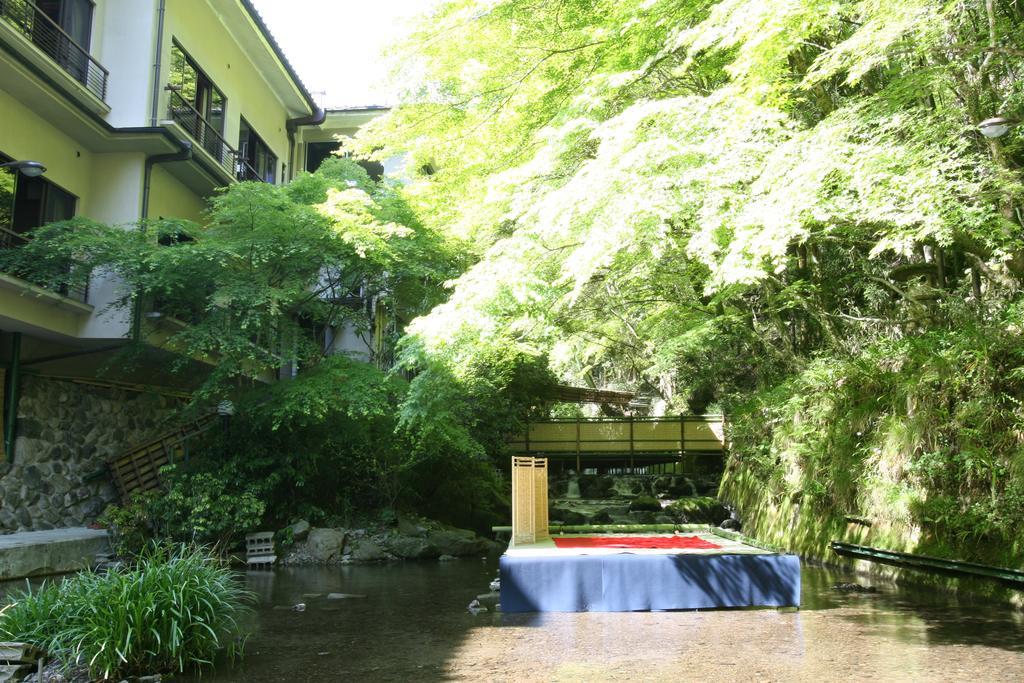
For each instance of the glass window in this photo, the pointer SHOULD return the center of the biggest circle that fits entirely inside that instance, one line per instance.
(66, 37)
(38, 202)
(28, 203)
(184, 76)
(196, 103)
(257, 162)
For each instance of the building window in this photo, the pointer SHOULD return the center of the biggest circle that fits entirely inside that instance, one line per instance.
(62, 29)
(27, 203)
(317, 153)
(74, 17)
(196, 104)
(256, 161)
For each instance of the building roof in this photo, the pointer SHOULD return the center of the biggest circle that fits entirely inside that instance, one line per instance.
(368, 107)
(279, 53)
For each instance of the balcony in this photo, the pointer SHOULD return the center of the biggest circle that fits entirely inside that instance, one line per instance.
(11, 240)
(56, 44)
(209, 139)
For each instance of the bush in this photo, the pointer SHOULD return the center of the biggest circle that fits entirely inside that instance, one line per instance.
(202, 507)
(174, 611)
(131, 529)
(196, 507)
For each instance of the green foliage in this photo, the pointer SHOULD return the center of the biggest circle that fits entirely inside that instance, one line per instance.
(697, 510)
(196, 507)
(177, 610)
(783, 209)
(336, 385)
(271, 265)
(917, 433)
(648, 184)
(130, 525)
(204, 508)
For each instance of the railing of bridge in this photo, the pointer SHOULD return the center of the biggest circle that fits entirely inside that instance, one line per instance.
(632, 438)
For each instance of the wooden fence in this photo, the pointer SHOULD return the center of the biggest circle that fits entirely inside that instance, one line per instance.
(631, 440)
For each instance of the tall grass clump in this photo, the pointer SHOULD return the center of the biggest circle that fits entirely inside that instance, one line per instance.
(176, 609)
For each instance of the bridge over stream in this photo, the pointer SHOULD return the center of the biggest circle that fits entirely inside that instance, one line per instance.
(679, 443)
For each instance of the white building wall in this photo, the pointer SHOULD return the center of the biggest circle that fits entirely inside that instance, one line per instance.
(124, 41)
(115, 199)
(347, 340)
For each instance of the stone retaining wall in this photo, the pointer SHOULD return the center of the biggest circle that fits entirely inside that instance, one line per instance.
(66, 431)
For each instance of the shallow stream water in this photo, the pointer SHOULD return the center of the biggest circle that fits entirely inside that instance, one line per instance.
(413, 626)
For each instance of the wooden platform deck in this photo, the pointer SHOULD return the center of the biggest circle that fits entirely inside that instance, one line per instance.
(541, 577)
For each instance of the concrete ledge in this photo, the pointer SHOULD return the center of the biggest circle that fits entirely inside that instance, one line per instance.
(57, 551)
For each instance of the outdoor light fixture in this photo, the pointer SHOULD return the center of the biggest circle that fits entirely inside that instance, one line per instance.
(996, 127)
(32, 169)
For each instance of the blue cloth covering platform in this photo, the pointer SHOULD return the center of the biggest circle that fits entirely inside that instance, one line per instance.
(631, 582)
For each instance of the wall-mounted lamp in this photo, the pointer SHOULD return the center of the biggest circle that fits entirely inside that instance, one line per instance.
(996, 127)
(32, 169)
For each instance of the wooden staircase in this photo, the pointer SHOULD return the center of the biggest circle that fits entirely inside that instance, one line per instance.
(138, 469)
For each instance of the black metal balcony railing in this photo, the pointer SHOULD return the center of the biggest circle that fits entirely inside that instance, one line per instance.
(244, 171)
(209, 138)
(11, 240)
(57, 44)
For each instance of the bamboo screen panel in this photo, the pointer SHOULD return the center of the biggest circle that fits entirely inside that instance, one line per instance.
(529, 500)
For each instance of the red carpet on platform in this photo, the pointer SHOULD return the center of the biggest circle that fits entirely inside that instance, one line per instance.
(636, 542)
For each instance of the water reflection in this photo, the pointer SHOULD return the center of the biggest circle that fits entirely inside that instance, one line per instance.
(413, 625)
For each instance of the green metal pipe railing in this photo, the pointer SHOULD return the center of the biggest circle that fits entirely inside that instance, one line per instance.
(13, 395)
(1014, 577)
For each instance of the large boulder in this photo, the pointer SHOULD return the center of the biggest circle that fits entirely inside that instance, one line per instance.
(457, 542)
(409, 527)
(410, 547)
(601, 517)
(570, 517)
(368, 551)
(645, 504)
(299, 530)
(325, 545)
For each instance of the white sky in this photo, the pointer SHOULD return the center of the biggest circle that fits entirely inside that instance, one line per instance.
(336, 45)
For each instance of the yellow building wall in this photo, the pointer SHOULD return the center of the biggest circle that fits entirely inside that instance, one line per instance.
(116, 193)
(168, 198)
(26, 136)
(202, 35)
